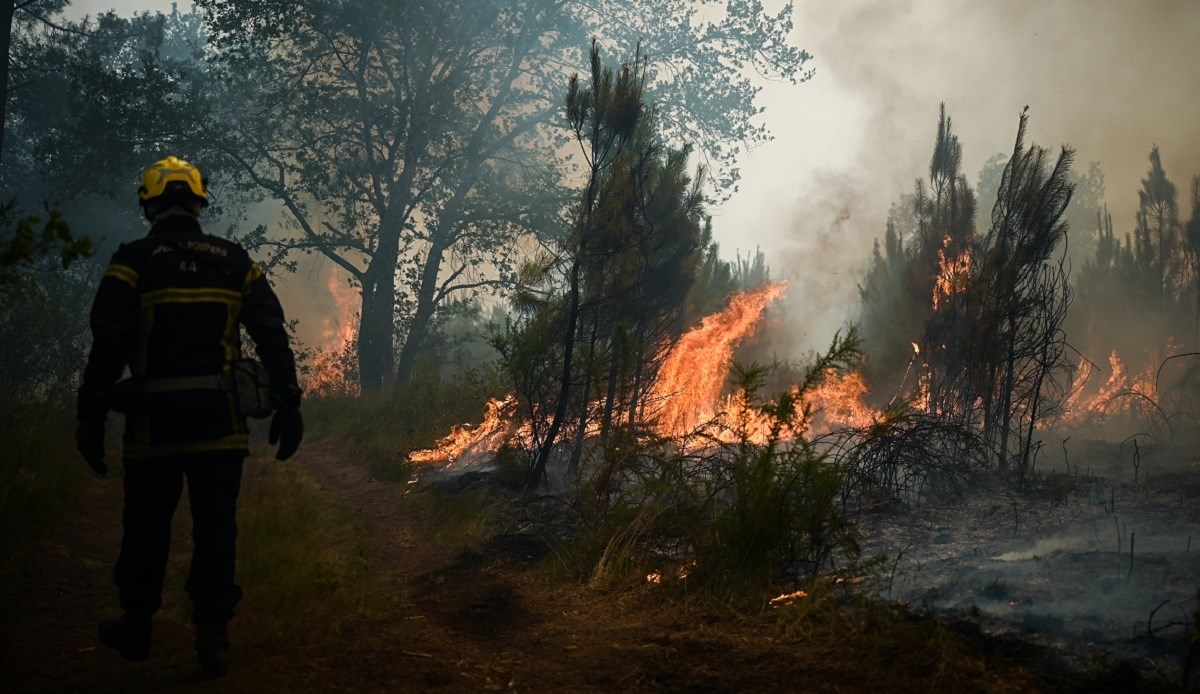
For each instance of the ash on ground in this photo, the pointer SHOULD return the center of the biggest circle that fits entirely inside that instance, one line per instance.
(1089, 563)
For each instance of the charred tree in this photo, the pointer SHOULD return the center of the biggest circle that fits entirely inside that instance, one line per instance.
(1021, 294)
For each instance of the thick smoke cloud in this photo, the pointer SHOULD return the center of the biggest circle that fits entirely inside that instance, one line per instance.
(1110, 78)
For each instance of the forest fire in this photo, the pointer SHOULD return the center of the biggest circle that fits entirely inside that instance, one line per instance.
(1121, 394)
(694, 374)
(838, 402)
(332, 363)
(953, 273)
(689, 391)
(463, 440)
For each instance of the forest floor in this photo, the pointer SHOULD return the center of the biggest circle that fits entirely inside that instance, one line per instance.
(473, 612)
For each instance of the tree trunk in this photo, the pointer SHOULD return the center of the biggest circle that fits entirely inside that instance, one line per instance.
(635, 395)
(1035, 401)
(1005, 412)
(376, 350)
(418, 329)
(374, 335)
(7, 8)
(610, 397)
(584, 414)
(564, 392)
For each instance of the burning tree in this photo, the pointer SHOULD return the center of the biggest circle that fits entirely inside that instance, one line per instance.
(616, 289)
(989, 309)
(925, 260)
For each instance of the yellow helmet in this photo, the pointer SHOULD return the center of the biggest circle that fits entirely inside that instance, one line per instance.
(173, 176)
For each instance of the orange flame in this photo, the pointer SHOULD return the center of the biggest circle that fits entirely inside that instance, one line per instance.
(687, 392)
(338, 333)
(1120, 394)
(464, 441)
(693, 375)
(953, 274)
(838, 401)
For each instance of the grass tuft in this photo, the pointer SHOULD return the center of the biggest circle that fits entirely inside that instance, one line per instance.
(301, 555)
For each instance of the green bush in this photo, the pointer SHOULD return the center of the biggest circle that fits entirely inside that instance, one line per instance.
(734, 514)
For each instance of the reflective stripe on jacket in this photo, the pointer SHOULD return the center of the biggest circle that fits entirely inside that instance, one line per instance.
(170, 305)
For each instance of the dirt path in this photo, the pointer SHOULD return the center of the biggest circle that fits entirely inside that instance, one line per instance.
(474, 619)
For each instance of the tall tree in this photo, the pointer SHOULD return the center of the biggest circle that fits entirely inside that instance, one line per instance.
(1158, 222)
(928, 243)
(1191, 239)
(603, 115)
(413, 142)
(20, 20)
(1021, 298)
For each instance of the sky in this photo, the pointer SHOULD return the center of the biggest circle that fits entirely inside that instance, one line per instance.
(1109, 77)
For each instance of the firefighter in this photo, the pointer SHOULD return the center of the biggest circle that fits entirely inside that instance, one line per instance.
(168, 308)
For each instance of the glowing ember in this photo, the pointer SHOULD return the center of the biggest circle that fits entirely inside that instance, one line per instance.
(694, 373)
(788, 598)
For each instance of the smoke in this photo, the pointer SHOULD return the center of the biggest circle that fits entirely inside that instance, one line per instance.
(1107, 77)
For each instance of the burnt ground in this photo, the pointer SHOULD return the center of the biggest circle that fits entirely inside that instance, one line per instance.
(482, 617)
(1098, 560)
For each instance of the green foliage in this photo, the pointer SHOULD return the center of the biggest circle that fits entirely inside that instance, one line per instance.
(27, 243)
(729, 516)
(431, 183)
(46, 285)
(43, 299)
(530, 357)
(937, 221)
(783, 515)
(102, 99)
(716, 279)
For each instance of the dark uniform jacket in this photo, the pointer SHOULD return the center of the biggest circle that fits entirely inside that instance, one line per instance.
(169, 306)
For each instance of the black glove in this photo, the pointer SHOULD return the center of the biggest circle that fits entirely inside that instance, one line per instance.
(287, 428)
(89, 439)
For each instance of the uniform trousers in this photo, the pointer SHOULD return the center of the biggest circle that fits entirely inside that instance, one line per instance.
(152, 491)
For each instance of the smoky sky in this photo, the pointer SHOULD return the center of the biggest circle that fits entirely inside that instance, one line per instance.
(1109, 78)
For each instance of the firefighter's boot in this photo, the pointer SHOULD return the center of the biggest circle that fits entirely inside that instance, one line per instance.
(212, 648)
(129, 635)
